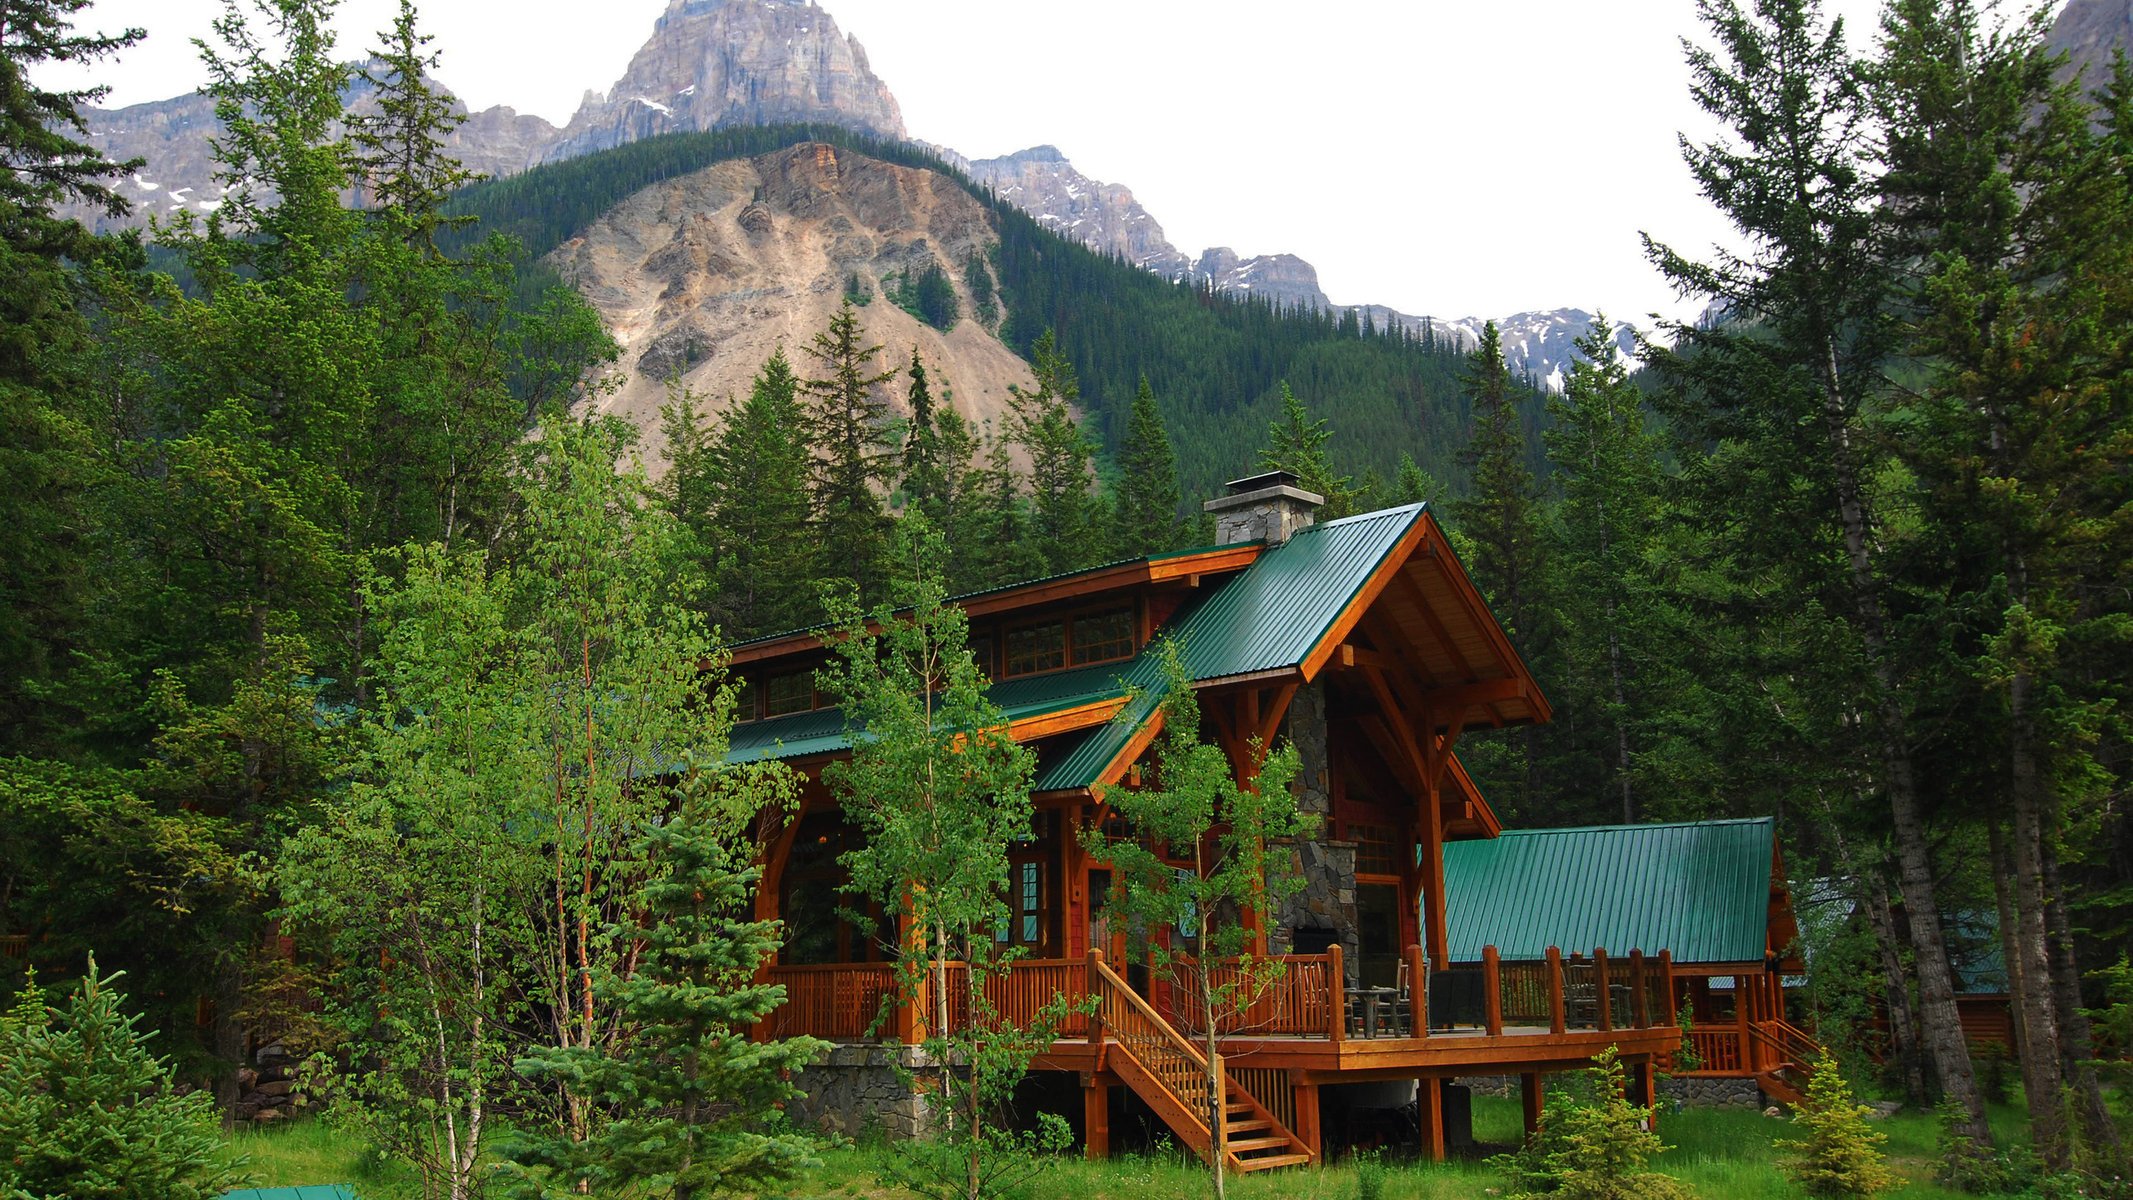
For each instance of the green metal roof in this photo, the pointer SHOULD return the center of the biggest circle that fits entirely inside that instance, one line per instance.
(320, 1191)
(1700, 890)
(822, 731)
(1268, 617)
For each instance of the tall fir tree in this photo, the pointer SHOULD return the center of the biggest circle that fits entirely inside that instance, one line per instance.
(1042, 422)
(922, 476)
(1296, 443)
(853, 452)
(1776, 409)
(1148, 499)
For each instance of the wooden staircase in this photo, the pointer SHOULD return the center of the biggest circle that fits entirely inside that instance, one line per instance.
(1787, 1055)
(1171, 1075)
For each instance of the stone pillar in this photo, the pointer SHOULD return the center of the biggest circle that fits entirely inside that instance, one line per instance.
(1268, 508)
(1326, 902)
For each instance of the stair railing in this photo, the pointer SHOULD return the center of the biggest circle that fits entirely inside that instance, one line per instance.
(1155, 1046)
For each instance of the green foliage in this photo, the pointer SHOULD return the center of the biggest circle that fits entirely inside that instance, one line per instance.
(940, 791)
(927, 295)
(845, 420)
(1296, 443)
(857, 291)
(87, 1111)
(1838, 1153)
(694, 1099)
(984, 292)
(1148, 501)
(1593, 1144)
(1064, 529)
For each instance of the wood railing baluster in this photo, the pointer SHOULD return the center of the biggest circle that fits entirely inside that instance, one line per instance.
(1603, 998)
(1555, 990)
(1639, 1000)
(1492, 991)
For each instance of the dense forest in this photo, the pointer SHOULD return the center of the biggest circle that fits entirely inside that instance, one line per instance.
(314, 572)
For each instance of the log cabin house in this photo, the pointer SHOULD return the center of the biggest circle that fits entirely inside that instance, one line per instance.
(1364, 643)
(1712, 894)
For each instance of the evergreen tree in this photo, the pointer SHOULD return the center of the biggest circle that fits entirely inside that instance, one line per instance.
(852, 455)
(1607, 463)
(1148, 499)
(87, 1110)
(922, 481)
(1413, 485)
(398, 148)
(1296, 443)
(1775, 409)
(1838, 1154)
(1007, 550)
(692, 1093)
(1062, 511)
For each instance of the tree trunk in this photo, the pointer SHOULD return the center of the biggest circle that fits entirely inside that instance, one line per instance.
(2074, 1041)
(1939, 1021)
(2042, 1077)
(1896, 987)
(2002, 863)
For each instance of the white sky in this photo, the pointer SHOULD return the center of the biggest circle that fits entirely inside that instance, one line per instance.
(1440, 156)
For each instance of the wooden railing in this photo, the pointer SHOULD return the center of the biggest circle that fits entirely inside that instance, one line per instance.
(1576, 993)
(1020, 994)
(839, 1001)
(14, 945)
(1280, 995)
(1783, 1043)
(1175, 1067)
(1718, 1050)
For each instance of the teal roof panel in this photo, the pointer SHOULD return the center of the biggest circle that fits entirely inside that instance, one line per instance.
(316, 1191)
(1698, 889)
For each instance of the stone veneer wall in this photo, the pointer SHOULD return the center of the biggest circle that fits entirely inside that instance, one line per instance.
(857, 1088)
(1695, 1092)
(1327, 900)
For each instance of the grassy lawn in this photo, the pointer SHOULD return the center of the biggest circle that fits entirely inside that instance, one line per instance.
(1723, 1154)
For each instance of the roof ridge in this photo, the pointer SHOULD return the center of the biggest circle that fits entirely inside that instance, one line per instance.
(1553, 829)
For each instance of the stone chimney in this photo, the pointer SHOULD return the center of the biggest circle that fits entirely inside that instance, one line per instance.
(1269, 507)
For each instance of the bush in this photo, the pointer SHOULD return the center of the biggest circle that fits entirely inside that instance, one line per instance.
(1839, 1154)
(86, 1110)
(1593, 1144)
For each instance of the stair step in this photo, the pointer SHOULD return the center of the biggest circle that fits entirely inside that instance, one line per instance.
(1268, 1164)
(1251, 1126)
(1243, 1145)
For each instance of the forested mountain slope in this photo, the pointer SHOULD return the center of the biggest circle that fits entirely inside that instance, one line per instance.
(1215, 361)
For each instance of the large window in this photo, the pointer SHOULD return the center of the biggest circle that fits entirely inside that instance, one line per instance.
(784, 694)
(1024, 925)
(1035, 648)
(1103, 637)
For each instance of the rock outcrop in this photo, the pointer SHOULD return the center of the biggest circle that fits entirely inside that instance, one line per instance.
(2089, 31)
(1103, 216)
(735, 62)
(701, 277)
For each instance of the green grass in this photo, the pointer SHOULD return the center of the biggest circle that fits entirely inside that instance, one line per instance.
(1723, 1154)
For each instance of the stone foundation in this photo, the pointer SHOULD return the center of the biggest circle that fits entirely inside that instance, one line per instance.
(858, 1089)
(1702, 1092)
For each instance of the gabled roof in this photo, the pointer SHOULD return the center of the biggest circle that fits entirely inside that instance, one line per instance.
(1270, 617)
(1702, 890)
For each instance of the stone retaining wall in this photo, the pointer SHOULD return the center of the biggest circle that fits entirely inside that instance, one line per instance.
(855, 1089)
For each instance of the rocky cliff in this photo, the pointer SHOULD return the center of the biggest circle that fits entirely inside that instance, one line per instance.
(735, 62)
(2089, 31)
(1104, 216)
(700, 278)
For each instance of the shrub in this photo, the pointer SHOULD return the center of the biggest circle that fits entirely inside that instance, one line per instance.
(86, 1110)
(1839, 1154)
(1593, 1144)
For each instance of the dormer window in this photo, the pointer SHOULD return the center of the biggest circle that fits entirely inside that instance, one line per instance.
(747, 701)
(1035, 648)
(1103, 637)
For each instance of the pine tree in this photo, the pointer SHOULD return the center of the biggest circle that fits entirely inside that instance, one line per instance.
(922, 481)
(752, 474)
(1062, 511)
(691, 1091)
(398, 148)
(1838, 1154)
(1148, 499)
(1413, 485)
(852, 455)
(1774, 410)
(87, 1110)
(1296, 443)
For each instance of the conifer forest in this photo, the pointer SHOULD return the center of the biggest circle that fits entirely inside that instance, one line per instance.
(367, 687)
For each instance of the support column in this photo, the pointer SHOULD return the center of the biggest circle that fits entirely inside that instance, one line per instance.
(1648, 1081)
(1304, 1097)
(1531, 1099)
(1095, 1117)
(1429, 1098)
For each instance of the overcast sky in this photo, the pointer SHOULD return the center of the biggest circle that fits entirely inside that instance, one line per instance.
(1449, 158)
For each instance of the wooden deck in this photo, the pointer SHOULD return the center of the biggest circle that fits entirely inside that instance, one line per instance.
(1306, 1030)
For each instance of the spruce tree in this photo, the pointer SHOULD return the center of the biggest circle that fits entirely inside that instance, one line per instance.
(1296, 443)
(1838, 1154)
(763, 564)
(87, 1110)
(1776, 409)
(922, 482)
(1148, 500)
(1062, 508)
(398, 148)
(1501, 511)
(852, 453)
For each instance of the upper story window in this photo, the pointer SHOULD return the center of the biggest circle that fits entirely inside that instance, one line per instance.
(1095, 637)
(1103, 637)
(1035, 648)
(747, 701)
(981, 652)
(786, 694)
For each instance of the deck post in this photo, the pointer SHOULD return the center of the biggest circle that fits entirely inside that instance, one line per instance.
(1417, 992)
(1531, 1097)
(1095, 1116)
(1666, 979)
(1648, 1073)
(1603, 1000)
(1640, 1005)
(1096, 1018)
(1492, 990)
(1304, 1103)
(1429, 1100)
(1336, 995)
(1555, 990)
